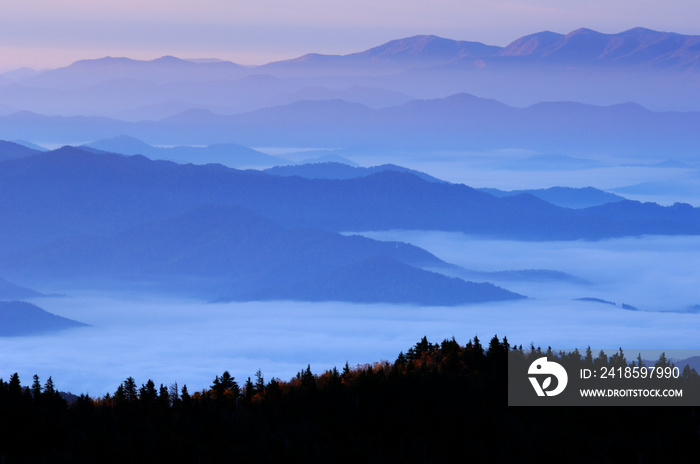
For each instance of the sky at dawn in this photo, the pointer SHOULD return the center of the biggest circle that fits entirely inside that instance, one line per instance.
(54, 33)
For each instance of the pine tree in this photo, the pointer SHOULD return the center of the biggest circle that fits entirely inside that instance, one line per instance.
(36, 388)
(478, 349)
(588, 359)
(248, 390)
(49, 389)
(163, 397)
(259, 382)
(601, 360)
(129, 390)
(148, 393)
(229, 383)
(308, 379)
(185, 396)
(640, 361)
(14, 386)
(618, 359)
(663, 361)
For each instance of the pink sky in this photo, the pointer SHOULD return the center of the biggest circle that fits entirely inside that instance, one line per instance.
(52, 33)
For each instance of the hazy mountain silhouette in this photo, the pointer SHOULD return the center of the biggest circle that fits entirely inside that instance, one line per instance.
(521, 275)
(18, 74)
(228, 154)
(367, 96)
(383, 279)
(390, 57)
(10, 291)
(28, 144)
(71, 192)
(334, 170)
(656, 69)
(12, 150)
(233, 253)
(565, 197)
(166, 69)
(456, 122)
(596, 300)
(634, 47)
(18, 318)
(224, 233)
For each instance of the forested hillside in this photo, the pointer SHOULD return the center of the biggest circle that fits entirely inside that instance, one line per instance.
(436, 403)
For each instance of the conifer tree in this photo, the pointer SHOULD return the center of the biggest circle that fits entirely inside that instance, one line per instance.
(129, 390)
(163, 397)
(259, 381)
(185, 396)
(36, 388)
(14, 386)
(148, 393)
(663, 361)
(248, 390)
(49, 389)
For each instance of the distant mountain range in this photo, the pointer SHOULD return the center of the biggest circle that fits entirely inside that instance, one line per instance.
(10, 291)
(565, 197)
(11, 150)
(228, 154)
(76, 216)
(228, 252)
(79, 215)
(18, 318)
(458, 122)
(334, 170)
(635, 47)
(658, 70)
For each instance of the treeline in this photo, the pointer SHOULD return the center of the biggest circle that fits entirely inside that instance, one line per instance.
(435, 403)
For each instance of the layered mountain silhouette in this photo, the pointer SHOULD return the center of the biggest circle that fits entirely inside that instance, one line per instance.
(228, 154)
(458, 122)
(402, 54)
(382, 279)
(18, 318)
(11, 150)
(10, 291)
(652, 68)
(92, 218)
(228, 252)
(166, 69)
(335, 170)
(634, 47)
(70, 191)
(566, 197)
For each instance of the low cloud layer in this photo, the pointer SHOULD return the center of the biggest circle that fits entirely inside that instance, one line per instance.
(191, 342)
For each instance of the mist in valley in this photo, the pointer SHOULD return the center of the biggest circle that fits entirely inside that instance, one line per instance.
(363, 109)
(171, 340)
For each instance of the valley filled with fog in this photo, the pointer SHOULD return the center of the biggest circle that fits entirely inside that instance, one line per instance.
(202, 216)
(657, 179)
(188, 341)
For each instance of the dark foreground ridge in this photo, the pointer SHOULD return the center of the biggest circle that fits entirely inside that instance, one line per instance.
(436, 403)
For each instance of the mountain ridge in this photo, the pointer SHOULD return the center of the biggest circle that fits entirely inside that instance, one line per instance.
(459, 121)
(656, 69)
(18, 318)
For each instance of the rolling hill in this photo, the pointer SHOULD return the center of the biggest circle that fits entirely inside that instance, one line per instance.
(18, 318)
(89, 218)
